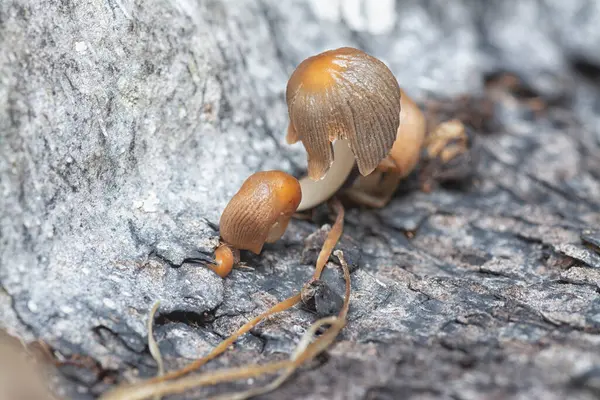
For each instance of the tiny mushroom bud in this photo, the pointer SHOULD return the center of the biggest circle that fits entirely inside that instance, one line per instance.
(447, 140)
(225, 258)
(348, 96)
(449, 155)
(260, 211)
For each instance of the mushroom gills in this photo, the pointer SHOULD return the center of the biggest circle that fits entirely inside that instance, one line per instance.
(278, 229)
(260, 210)
(377, 189)
(316, 192)
(410, 136)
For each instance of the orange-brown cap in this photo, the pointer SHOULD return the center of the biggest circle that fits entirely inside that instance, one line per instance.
(343, 94)
(405, 153)
(260, 210)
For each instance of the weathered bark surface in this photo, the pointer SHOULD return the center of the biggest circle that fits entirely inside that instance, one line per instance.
(125, 127)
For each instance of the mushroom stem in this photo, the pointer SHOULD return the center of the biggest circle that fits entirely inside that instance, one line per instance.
(316, 192)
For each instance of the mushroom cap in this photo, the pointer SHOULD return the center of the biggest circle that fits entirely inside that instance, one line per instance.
(406, 150)
(343, 94)
(265, 198)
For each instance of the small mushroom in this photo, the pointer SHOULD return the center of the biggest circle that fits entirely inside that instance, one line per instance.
(449, 155)
(260, 211)
(348, 97)
(225, 258)
(405, 152)
(377, 189)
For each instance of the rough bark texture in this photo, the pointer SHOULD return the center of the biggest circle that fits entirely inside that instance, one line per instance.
(125, 127)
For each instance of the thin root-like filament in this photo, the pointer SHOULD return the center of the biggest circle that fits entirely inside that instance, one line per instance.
(281, 306)
(175, 381)
(305, 351)
(332, 238)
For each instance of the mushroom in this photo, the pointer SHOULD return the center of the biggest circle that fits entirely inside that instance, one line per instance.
(450, 155)
(410, 136)
(258, 213)
(377, 189)
(225, 258)
(348, 97)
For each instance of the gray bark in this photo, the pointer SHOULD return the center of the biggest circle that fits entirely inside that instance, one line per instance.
(126, 126)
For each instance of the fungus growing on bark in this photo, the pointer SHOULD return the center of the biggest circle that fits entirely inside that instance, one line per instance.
(260, 211)
(338, 99)
(377, 189)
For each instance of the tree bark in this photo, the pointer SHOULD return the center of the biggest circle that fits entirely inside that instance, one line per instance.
(126, 126)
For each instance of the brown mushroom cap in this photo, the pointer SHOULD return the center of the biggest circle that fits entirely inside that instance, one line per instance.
(343, 94)
(260, 210)
(406, 150)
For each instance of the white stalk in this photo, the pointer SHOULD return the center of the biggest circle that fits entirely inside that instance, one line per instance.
(316, 192)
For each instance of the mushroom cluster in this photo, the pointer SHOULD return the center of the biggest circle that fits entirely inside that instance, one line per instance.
(362, 135)
(350, 114)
